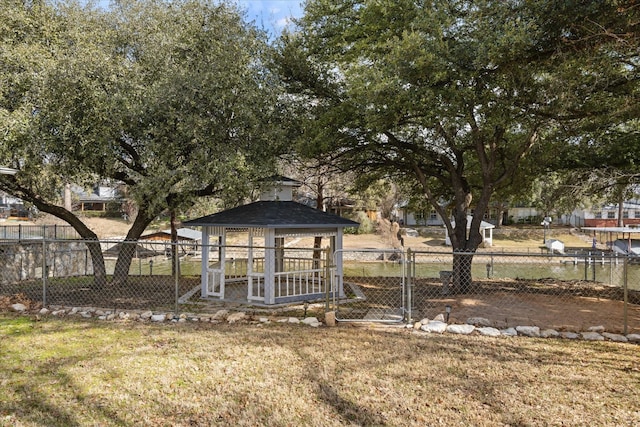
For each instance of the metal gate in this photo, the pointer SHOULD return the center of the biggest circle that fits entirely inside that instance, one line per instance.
(373, 287)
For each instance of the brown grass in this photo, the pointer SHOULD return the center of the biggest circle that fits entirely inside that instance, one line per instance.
(70, 372)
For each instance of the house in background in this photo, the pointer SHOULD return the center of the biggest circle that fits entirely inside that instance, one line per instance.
(605, 216)
(101, 198)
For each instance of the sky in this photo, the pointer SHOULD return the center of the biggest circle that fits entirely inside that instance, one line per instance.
(270, 15)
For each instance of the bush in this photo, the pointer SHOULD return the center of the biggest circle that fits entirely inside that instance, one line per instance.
(366, 225)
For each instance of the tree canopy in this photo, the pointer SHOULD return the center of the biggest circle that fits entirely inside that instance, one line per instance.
(451, 95)
(171, 98)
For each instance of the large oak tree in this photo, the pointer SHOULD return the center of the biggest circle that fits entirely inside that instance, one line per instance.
(450, 95)
(171, 98)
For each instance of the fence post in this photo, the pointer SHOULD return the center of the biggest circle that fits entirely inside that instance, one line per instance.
(327, 277)
(44, 272)
(408, 264)
(625, 289)
(176, 276)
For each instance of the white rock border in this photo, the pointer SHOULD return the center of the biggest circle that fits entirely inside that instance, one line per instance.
(425, 326)
(481, 326)
(149, 316)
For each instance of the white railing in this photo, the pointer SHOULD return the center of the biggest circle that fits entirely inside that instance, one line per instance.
(296, 283)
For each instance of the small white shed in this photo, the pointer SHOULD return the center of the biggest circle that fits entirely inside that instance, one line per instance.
(555, 245)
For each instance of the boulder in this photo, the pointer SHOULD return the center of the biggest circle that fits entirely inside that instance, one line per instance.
(569, 335)
(479, 321)
(488, 331)
(592, 336)
(434, 326)
(146, 315)
(509, 332)
(18, 307)
(528, 331)
(615, 337)
(549, 333)
(236, 317)
(633, 337)
(461, 329)
(158, 317)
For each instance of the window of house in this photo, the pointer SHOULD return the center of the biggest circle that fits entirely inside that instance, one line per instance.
(611, 214)
(625, 214)
(598, 215)
(433, 215)
(636, 214)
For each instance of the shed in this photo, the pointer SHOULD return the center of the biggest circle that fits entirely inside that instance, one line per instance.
(555, 245)
(272, 272)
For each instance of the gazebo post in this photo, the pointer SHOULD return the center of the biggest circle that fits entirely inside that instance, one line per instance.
(337, 251)
(269, 265)
(204, 275)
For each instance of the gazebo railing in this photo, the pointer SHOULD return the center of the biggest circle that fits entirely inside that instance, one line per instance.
(296, 283)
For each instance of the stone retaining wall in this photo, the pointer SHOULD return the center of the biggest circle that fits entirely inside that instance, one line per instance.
(23, 261)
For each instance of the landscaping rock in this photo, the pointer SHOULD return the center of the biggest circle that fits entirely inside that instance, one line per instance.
(461, 329)
(236, 317)
(439, 318)
(18, 307)
(592, 336)
(435, 327)
(44, 311)
(528, 331)
(110, 316)
(549, 333)
(310, 320)
(569, 335)
(293, 320)
(633, 337)
(509, 332)
(488, 331)
(220, 315)
(615, 337)
(146, 315)
(479, 321)
(598, 329)
(330, 318)
(158, 317)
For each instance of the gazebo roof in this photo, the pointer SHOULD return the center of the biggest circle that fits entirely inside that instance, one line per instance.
(272, 214)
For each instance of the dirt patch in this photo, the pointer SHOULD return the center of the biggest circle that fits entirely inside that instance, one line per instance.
(565, 306)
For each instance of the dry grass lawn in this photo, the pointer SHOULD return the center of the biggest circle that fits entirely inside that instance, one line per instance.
(63, 372)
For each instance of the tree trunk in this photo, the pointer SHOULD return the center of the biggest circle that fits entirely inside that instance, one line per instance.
(123, 263)
(462, 280)
(91, 239)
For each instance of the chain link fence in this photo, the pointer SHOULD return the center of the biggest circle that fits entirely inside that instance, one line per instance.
(564, 292)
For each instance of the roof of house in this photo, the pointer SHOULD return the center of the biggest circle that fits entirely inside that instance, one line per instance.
(183, 234)
(273, 214)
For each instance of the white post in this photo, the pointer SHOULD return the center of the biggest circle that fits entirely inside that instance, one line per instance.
(269, 265)
(338, 261)
(205, 262)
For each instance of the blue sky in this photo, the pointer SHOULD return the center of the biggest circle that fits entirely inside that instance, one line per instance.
(272, 15)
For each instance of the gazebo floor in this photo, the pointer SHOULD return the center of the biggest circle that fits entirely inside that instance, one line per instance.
(235, 294)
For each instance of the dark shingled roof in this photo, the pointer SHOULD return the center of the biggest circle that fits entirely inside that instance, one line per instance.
(273, 214)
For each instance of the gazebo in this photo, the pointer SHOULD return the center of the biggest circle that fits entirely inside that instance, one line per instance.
(487, 239)
(269, 269)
